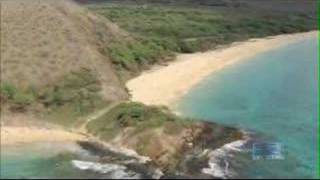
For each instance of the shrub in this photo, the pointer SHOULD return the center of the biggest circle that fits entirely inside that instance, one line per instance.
(122, 56)
(23, 99)
(7, 90)
(18, 99)
(190, 46)
(75, 87)
(136, 53)
(76, 94)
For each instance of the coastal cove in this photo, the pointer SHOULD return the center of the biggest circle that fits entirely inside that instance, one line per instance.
(174, 80)
(158, 89)
(175, 87)
(233, 93)
(273, 95)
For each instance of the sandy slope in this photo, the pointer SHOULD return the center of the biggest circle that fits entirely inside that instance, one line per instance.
(164, 85)
(16, 135)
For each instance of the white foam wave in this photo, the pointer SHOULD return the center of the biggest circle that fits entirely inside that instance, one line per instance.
(215, 168)
(115, 171)
(157, 174)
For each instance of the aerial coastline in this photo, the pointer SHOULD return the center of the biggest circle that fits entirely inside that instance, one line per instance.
(154, 89)
(175, 79)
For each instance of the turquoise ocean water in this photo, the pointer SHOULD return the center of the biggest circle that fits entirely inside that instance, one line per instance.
(272, 95)
(40, 160)
(67, 160)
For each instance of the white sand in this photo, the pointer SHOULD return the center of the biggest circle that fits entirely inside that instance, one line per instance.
(164, 85)
(15, 135)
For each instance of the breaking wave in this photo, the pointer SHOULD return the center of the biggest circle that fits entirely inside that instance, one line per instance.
(114, 171)
(218, 159)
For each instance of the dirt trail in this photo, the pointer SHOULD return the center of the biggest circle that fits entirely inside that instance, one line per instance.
(83, 130)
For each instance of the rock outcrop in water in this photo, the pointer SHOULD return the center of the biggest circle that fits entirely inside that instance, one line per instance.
(163, 137)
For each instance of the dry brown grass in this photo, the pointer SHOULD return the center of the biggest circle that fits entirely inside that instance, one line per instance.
(43, 40)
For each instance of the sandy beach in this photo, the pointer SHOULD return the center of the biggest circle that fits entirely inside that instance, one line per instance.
(15, 135)
(163, 85)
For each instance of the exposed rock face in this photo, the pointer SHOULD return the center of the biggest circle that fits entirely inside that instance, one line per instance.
(182, 152)
(168, 150)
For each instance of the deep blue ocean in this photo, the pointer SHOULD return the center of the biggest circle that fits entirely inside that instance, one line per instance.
(272, 95)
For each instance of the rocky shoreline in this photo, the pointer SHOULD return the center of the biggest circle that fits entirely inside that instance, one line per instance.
(189, 158)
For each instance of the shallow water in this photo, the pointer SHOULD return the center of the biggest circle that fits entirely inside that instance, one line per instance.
(41, 160)
(72, 160)
(274, 95)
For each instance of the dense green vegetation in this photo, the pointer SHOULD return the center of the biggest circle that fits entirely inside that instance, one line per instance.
(137, 116)
(138, 53)
(159, 31)
(75, 95)
(75, 86)
(78, 94)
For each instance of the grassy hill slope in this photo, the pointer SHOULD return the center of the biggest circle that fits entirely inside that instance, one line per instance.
(44, 40)
(52, 56)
